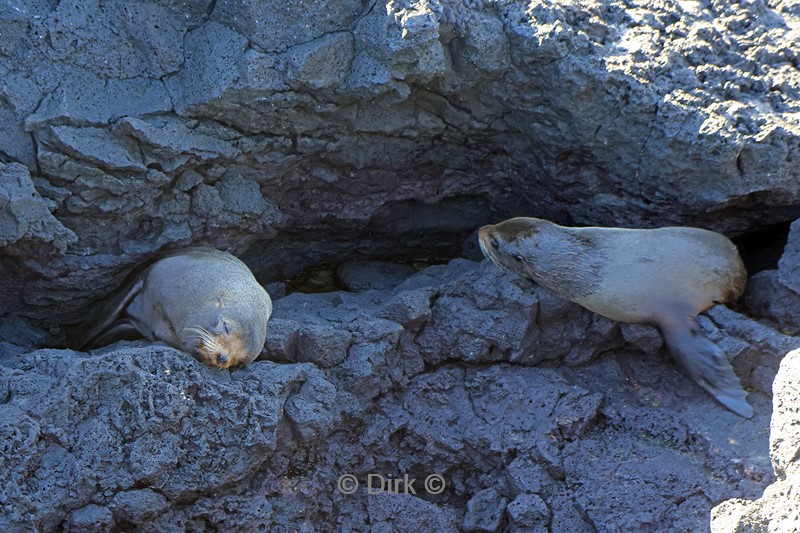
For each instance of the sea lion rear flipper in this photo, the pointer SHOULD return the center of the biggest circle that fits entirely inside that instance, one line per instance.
(707, 365)
(105, 319)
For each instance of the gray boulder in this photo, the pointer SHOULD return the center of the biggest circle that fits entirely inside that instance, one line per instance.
(88, 433)
(778, 509)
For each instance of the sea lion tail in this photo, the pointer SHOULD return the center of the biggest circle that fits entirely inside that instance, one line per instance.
(708, 366)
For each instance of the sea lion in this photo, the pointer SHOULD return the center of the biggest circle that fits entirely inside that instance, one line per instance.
(664, 277)
(199, 300)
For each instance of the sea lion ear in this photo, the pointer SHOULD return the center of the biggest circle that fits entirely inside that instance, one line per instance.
(220, 302)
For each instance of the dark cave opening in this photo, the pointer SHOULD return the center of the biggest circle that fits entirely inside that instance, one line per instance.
(762, 248)
(409, 232)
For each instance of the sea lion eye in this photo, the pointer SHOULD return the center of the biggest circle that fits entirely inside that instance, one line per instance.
(518, 258)
(225, 327)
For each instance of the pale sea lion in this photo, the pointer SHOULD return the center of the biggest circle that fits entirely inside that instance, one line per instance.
(664, 277)
(199, 300)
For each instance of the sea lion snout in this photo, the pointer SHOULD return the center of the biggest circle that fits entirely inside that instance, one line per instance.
(509, 237)
(504, 248)
(489, 243)
(229, 349)
(491, 238)
(484, 233)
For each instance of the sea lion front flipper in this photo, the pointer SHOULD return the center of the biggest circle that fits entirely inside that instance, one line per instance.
(706, 364)
(105, 319)
(121, 330)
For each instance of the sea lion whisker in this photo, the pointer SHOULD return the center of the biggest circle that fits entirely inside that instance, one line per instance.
(203, 335)
(197, 330)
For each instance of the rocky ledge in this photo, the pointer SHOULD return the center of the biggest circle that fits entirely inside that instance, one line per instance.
(308, 133)
(536, 414)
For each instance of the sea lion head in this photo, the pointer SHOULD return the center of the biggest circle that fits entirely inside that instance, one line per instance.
(221, 343)
(509, 243)
(559, 258)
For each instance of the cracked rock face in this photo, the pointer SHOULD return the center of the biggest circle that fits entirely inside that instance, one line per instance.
(345, 128)
(339, 131)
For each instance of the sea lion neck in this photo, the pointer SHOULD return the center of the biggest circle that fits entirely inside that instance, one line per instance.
(566, 263)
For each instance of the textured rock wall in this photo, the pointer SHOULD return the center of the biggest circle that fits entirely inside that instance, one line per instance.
(315, 132)
(318, 131)
(773, 295)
